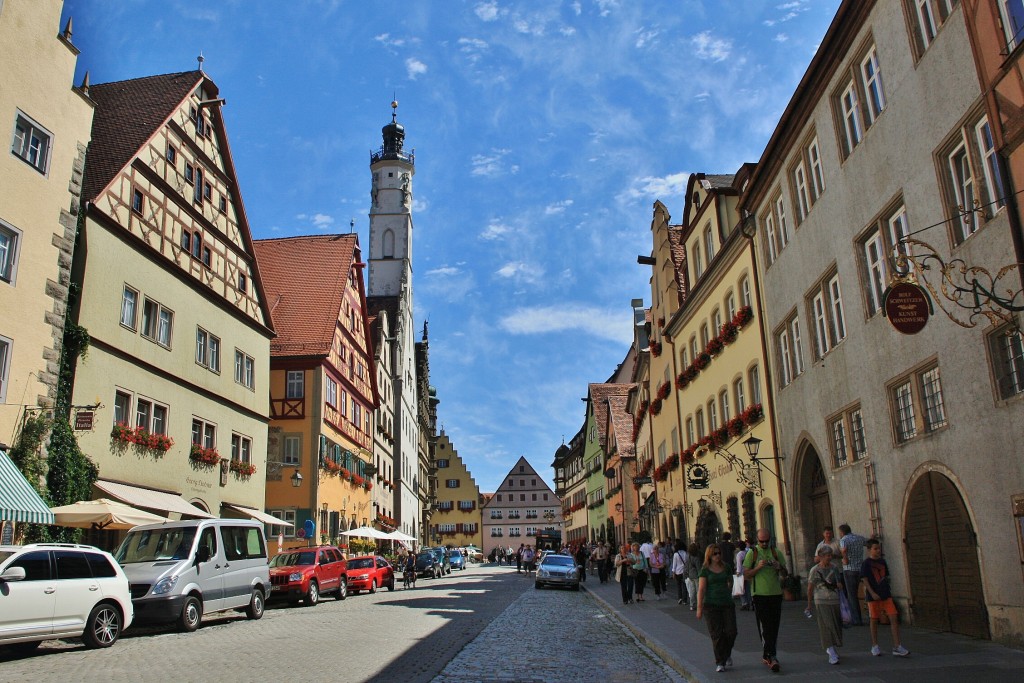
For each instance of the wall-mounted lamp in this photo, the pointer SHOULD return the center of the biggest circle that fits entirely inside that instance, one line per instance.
(296, 478)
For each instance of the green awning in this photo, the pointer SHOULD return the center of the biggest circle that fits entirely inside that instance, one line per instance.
(19, 502)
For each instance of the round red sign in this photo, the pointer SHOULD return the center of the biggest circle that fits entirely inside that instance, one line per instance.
(906, 306)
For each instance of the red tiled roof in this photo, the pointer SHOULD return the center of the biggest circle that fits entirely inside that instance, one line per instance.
(599, 393)
(127, 114)
(622, 424)
(305, 280)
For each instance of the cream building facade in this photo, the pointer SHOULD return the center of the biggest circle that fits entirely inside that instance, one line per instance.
(456, 521)
(172, 299)
(49, 126)
(520, 507)
(914, 439)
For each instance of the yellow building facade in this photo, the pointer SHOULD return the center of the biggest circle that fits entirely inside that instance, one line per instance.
(457, 520)
(48, 129)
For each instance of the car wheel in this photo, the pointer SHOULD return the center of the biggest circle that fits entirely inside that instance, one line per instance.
(391, 584)
(342, 591)
(313, 596)
(191, 614)
(103, 627)
(256, 605)
(373, 586)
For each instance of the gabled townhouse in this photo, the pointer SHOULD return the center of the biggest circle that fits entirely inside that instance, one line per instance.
(171, 297)
(711, 363)
(522, 505)
(49, 123)
(571, 488)
(385, 495)
(912, 438)
(323, 389)
(457, 518)
(426, 414)
(617, 429)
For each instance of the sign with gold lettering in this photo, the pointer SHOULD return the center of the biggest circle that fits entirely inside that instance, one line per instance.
(907, 307)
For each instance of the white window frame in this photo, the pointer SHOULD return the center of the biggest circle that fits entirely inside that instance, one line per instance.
(31, 142)
(10, 243)
(871, 81)
(295, 384)
(241, 448)
(817, 171)
(801, 191)
(207, 350)
(1006, 356)
(917, 403)
(245, 370)
(1012, 14)
(993, 190)
(737, 388)
(827, 312)
(130, 308)
(331, 392)
(6, 351)
(853, 128)
(709, 243)
(157, 322)
(291, 452)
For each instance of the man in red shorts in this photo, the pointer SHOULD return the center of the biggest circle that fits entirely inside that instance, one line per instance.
(874, 574)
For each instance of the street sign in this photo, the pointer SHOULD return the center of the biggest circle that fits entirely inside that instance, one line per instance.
(640, 481)
(83, 420)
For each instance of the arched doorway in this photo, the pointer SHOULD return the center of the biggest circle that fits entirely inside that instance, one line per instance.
(709, 528)
(815, 504)
(942, 559)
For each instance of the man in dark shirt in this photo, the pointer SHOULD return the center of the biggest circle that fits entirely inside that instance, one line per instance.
(874, 575)
(728, 549)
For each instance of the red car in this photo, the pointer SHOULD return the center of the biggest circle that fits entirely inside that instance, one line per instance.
(308, 573)
(369, 572)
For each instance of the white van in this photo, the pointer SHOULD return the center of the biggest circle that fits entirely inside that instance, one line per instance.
(178, 571)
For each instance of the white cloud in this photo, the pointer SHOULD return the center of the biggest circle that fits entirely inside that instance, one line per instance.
(487, 11)
(386, 39)
(711, 48)
(606, 6)
(567, 31)
(644, 36)
(491, 165)
(780, 38)
(321, 221)
(557, 207)
(613, 325)
(521, 272)
(494, 231)
(577, 8)
(471, 44)
(651, 187)
(443, 271)
(415, 68)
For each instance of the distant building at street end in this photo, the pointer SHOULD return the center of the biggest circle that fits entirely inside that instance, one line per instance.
(522, 505)
(456, 521)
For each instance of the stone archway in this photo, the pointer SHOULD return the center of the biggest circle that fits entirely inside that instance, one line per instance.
(815, 506)
(942, 559)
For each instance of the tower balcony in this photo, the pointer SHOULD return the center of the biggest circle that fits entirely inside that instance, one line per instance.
(393, 155)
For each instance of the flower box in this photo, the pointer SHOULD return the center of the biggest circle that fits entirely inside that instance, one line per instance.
(663, 390)
(204, 456)
(242, 469)
(655, 348)
(743, 316)
(141, 437)
(715, 346)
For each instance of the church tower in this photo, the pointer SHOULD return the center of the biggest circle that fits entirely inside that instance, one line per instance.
(389, 292)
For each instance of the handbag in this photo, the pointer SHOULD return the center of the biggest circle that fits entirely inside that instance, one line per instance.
(844, 608)
(737, 586)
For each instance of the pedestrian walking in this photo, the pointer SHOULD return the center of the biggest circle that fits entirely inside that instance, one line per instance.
(678, 570)
(741, 552)
(728, 550)
(823, 589)
(519, 559)
(693, 565)
(657, 569)
(624, 574)
(874, 575)
(765, 567)
(640, 569)
(851, 546)
(600, 557)
(581, 559)
(714, 599)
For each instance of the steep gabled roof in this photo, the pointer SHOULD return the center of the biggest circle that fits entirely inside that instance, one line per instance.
(599, 394)
(305, 280)
(677, 246)
(622, 423)
(127, 114)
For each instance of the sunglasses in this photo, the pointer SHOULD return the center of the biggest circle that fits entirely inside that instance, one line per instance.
(766, 542)
(717, 552)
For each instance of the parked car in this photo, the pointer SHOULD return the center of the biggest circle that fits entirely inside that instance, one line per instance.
(179, 571)
(57, 590)
(307, 574)
(456, 559)
(368, 572)
(558, 570)
(474, 554)
(443, 559)
(427, 564)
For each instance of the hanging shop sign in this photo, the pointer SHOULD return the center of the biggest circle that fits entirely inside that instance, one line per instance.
(907, 307)
(697, 476)
(640, 481)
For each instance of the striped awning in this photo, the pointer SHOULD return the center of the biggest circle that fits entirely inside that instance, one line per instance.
(19, 502)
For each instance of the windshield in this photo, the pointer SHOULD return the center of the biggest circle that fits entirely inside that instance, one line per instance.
(456, 554)
(4, 554)
(365, 563)
(560, 560)
(156, 544)
(425, 556)
(293, 559)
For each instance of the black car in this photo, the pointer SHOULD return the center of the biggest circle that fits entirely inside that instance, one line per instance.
(427, 564)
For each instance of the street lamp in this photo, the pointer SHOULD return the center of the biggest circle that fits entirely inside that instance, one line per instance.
(296, 478)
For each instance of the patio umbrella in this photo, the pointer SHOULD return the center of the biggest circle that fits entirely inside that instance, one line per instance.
(102, 514)
(365, 532)
(397, 535)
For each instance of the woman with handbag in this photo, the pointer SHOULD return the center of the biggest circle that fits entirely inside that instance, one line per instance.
(657, 567)
(714, 598)
(624, 574)
(824, 589)
(679, 571)
(640, 569)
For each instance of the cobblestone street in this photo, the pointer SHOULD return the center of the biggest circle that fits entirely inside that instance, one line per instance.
(389, 637)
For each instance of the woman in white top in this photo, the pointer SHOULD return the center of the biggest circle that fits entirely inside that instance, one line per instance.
(679, 571)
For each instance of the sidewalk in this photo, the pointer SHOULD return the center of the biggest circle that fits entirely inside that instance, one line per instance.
(674, 634)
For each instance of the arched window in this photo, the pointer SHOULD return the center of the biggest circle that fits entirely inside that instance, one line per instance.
(389, 244)
(745, 290)
(723, 404)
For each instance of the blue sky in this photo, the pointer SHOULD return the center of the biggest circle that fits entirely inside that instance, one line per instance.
(544, 131)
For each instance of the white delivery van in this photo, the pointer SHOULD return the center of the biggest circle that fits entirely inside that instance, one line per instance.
(178, 571)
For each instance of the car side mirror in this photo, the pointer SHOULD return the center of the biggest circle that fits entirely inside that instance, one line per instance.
(203, 554)
(13, 574)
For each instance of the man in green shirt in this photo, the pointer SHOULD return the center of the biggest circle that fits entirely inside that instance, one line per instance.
(764, 567)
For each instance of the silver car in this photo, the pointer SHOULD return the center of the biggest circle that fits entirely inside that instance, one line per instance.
(558, 570)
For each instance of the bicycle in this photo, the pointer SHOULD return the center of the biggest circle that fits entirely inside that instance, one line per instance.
(409, 578)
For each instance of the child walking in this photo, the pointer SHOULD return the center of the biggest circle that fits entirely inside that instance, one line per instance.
(823, 587)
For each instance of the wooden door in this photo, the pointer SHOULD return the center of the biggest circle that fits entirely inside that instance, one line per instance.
(942, 560)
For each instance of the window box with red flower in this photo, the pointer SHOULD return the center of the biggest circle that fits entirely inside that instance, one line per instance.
(331, 467)
(661, 472)
(358, 480)
(729, 332)
(688, 455)
(682, 381)
(344, 473)
(673, 461)
(122, 434)
(743, 316)
(735, 426)
(663, 390)
(715, 346)
(702, 360)
(655, 348)
(655, 406)
(753, 413)
(242, 468)
(208, 457)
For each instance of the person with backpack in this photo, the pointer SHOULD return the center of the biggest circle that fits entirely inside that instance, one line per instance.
(678, 569)
(765, 568)
(640, 568)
